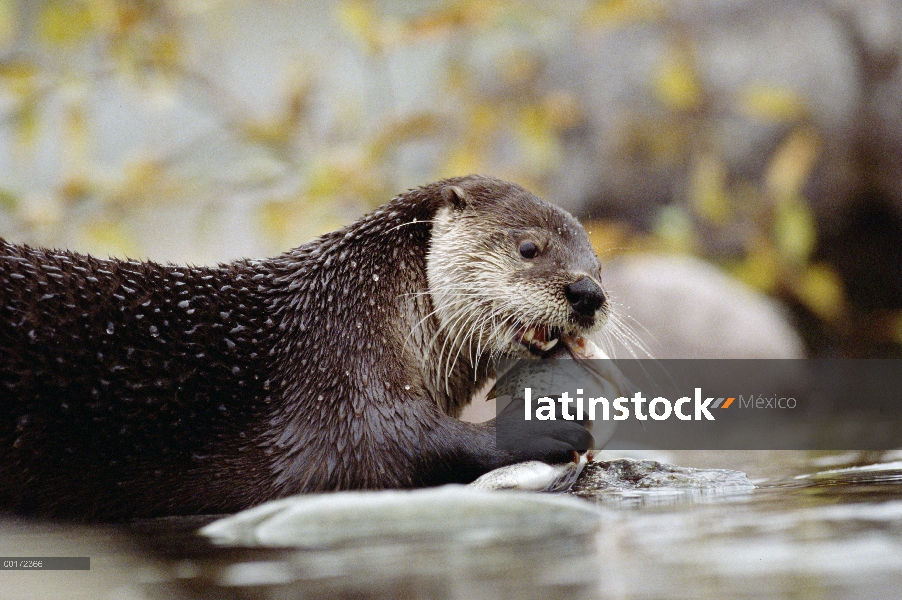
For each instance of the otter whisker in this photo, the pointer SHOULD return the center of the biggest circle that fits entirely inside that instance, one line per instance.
(627, 337)
(479, 329)
(421, 321)
(459, 331)
(462, 313)
(630, 330)
(435, 290)
(413, 222)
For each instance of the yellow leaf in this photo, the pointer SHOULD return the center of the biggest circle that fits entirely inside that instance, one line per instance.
(141, 182)
(64, 23)
(709, 196)
(74, 187)
(772, 103)
(347, 174)
(166, 49)
(821, 290)
(413, 127)
(26, 120)
(8, 200)
(676, 83)
(271, 131)
(358, 18)
(325, 181)
(794, 230)
(19, 77)
(276, 217)
(462, 160)
(608, 236)
(792, 163)
(614, 13)
(761, 268)
(451, 16)
(104, 237)
(296, 219)
(484, 118)
(538, 140)
(75, 139)
(8, 22)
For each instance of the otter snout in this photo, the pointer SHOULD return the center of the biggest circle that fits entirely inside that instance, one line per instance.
(585, 296)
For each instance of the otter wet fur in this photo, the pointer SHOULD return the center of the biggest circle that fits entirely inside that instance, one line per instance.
(136, 389)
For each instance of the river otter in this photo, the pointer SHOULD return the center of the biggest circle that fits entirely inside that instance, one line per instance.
(135, 389)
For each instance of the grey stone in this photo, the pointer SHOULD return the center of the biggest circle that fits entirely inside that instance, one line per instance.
(683, 307)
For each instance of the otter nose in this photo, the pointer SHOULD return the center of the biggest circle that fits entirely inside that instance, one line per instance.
(584, 296)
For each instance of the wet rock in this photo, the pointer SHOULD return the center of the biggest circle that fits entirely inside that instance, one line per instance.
(628, 475)
(448, 512)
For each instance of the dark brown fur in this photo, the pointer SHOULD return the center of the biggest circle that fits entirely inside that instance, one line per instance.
(137, 389)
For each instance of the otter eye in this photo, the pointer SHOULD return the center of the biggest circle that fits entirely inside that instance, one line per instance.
(528, 249)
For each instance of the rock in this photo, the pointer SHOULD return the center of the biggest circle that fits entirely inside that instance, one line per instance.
(626, 475)
(391, 516)
(683, 307)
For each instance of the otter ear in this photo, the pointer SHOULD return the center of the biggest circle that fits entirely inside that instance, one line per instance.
(455, 196)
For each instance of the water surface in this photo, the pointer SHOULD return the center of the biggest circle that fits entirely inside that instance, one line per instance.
(816, 525)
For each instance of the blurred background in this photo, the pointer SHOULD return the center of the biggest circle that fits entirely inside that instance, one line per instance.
(726, 156)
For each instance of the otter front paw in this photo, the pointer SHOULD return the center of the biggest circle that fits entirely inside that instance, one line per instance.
(553, 441)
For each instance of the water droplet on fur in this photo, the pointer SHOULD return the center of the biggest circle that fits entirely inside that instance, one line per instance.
(153, 331)
(406, 387)
(375, 277)
(110, 328)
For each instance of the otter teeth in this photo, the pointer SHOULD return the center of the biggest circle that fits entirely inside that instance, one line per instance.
(545, 346)
(537, 338)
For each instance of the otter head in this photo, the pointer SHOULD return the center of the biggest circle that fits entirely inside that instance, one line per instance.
(509, 274)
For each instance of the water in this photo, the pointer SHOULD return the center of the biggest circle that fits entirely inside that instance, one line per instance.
(833, 533)
(814, 526)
